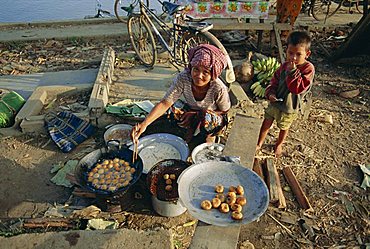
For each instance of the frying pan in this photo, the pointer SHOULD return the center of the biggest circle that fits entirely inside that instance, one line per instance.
(87, 163)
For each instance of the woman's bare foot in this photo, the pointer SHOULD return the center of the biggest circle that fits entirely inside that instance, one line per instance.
(278, 151)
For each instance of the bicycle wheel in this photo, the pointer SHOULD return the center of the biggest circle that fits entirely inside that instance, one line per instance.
(323, 9)
(142, 40)
(121, 8)
(190, 39)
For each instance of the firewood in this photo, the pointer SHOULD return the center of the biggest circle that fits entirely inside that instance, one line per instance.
(297, 189)
(47, 222)
(273, 179)
(258, 168)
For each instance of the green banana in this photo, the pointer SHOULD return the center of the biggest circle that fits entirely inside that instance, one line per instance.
(257, 89)
(254, 85)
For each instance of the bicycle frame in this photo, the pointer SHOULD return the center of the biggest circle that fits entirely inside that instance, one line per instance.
(173, 33)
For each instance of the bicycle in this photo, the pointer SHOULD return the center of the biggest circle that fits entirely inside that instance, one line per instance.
(176, 40)
(123, 7)
(324, 9)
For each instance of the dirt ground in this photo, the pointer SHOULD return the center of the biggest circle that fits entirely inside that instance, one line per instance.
(324, 152)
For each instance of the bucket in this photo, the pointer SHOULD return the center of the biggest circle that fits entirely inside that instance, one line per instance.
(10, 104)
(167, 208)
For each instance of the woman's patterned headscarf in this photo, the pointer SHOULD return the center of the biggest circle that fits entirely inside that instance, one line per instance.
(208, 56)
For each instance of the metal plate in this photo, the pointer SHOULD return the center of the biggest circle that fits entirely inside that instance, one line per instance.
(197, 183)
(211, 151)
(177, 142)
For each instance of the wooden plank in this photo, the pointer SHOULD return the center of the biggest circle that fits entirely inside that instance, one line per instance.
(297, 189)
(243, 138)
(273, 182)
(226, 24)
(241, 142)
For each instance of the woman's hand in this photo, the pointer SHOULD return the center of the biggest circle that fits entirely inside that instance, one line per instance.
(137, 130)
(186, 119)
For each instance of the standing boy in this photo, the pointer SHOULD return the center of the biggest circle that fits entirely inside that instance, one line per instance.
(287, 87)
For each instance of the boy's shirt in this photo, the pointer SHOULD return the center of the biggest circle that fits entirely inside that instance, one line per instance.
(291, 86)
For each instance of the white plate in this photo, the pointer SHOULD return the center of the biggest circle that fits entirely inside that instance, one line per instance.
(211, 151)
(197, 183)
(177, 142)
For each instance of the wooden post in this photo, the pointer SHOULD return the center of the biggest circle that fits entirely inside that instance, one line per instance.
(297, 189)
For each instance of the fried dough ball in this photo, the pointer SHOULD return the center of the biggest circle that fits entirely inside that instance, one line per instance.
(219, 188)
(95, 181)
(206, 205)
(101, 171)
(166, 176)
(236, 207)
(224, 208)
(236, 215)
(168, 188)
(112, 188)
(132, 170)
(232, 189)
(240, 190)
(169, 181)
(111, 165)
(221, 197)
(230, 200)
(125, 183)
(96, 175)
(216, 202)
(105, 162)
(103, 187)
(231, 194)
(172, 176)
(241, 200)
(116, 160)
(127, 168)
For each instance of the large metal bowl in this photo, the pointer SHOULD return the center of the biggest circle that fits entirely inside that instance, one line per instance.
(209, 152)
(119, 133)
(197, 183)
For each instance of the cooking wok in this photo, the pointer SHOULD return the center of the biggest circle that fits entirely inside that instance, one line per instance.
(87, 163)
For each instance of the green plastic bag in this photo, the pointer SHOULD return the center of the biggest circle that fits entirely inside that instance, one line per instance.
(10, 104)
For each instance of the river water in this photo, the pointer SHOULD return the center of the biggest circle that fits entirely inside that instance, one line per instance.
(47, 10)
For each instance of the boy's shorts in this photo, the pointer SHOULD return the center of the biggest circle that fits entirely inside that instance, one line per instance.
(283, 120)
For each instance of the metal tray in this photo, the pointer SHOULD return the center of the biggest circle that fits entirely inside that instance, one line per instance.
(177, 142)
(197, 183)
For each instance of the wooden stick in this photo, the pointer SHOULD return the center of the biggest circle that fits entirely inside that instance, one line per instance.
(258, 168)
(276, 192)
(47, 222)
(297, 189)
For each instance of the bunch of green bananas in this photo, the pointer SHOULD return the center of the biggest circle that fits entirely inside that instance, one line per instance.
(264, 69)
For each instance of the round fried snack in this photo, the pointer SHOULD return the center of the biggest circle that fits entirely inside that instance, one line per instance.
(166, 176)
(216, 202)
(206, 205)
(219, 188)
(232, 189)
(236, 215)
(236, 207)
(240, 190)
(168, 188)
(221, 197)
(231, 194)
(224, 208)
(230, 200)
(241, 200)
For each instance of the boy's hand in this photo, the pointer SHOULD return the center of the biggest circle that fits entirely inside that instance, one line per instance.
(290, 66)
(272, 98)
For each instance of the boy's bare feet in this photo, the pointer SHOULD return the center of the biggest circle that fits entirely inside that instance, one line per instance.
(278, 151)
(258, 148)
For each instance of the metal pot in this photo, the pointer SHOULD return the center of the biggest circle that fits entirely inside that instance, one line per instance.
(119, 134)
(167, 208)
(164, 202)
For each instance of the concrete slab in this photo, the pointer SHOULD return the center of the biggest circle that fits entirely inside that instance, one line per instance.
(27, 83)
(105, 239)
(140, 83)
